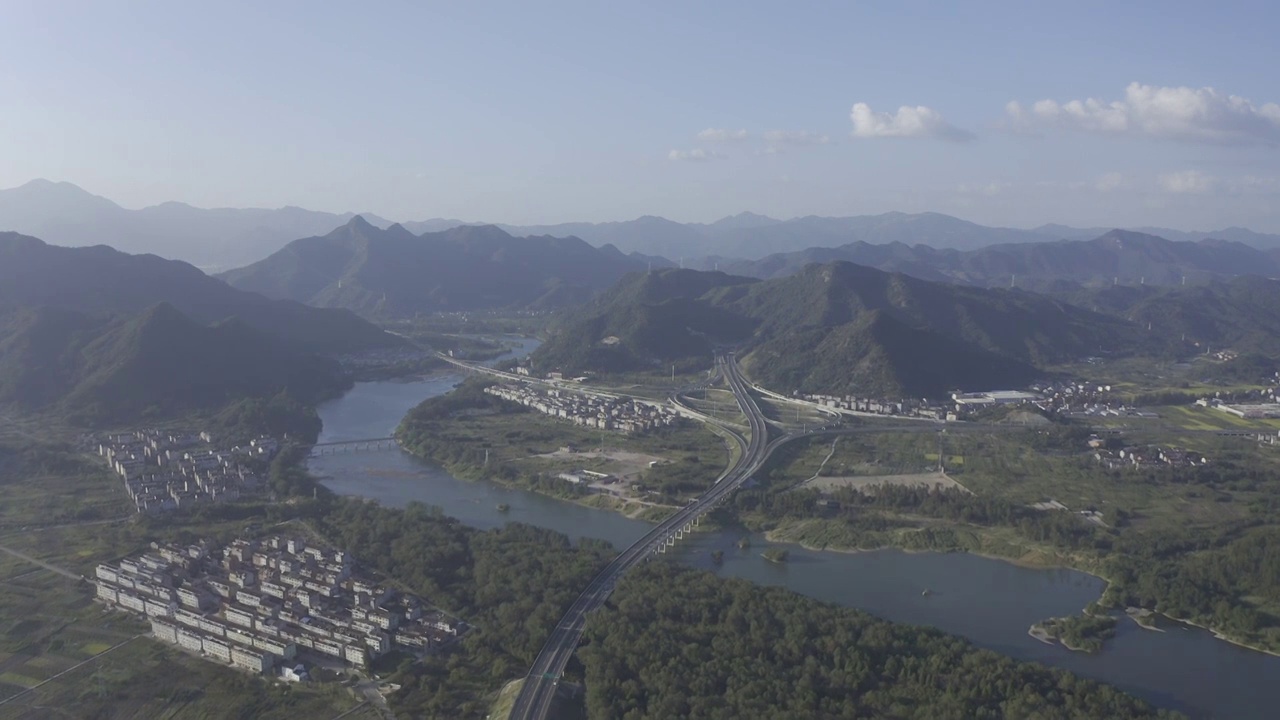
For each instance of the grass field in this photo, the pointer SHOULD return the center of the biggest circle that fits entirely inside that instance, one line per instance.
(1008, 466)
(506, 699)
(522, 444)
(1200, 418)
(69, 513)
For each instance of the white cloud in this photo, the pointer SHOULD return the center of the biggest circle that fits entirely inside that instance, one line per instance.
(1187, 182)
(1179, 113)
(919, 121)
(694, 155)
(722, 135)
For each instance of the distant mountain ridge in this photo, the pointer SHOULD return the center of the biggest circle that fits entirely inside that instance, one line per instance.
(1114, 256)
(101, 281)
(393, 272)
(100, 336)
(218, 239)
(64, 214)
(836, 327)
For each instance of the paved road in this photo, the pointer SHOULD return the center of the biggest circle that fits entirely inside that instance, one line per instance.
(41, 563)
(373, 696)
(538, 692)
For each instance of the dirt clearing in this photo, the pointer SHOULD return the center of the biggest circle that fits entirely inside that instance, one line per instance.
(866, 483)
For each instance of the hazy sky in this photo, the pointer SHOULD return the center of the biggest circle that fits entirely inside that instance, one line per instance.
(1129, 113)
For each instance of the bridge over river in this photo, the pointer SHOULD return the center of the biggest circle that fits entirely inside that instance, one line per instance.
(361, 445)
(534, 700)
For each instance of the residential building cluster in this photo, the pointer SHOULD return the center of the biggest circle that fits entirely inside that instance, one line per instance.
(1112, 457)
(1083, 399)
(166, 470)
(593, 411)
(993, 397)
(254, 604)
(906, 407)
(1249, 411)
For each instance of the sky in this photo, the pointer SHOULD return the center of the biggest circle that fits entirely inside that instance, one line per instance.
(1005, 113)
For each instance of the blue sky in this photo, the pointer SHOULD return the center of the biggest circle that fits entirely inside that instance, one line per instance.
(558, 111)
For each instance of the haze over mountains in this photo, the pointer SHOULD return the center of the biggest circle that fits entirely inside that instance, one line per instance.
(220, 239)
(64, 214)
(1116, 256)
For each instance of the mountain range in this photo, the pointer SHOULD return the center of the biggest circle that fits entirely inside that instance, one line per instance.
(1114, 257)
(220, 239)
(393, 272)
(836, 327)
(102, 281)
(64, 214)
(99, 370)
(1242, 314)
(100, 336)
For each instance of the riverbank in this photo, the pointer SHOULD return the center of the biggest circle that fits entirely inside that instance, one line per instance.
(630, 508)
(1023, 555)
(1086, 633)
(990, 603)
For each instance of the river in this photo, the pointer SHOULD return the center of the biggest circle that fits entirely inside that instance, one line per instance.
(990, 602)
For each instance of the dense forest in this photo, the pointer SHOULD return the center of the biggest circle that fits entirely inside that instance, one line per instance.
(510, 585)
(677, 643)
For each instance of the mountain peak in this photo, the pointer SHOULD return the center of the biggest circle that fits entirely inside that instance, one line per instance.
(358, 222)
(396, 230)
(56, 198)
(744, 220)
(1119, 237)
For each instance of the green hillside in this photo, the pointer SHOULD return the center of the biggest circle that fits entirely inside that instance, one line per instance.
(1243, 313)
(393, 272)
(156, 364)
(836, 327)
(102, 282)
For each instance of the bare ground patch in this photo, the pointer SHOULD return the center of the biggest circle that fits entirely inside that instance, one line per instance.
(624, 465)
(868, 483)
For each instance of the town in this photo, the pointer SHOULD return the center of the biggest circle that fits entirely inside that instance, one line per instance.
(272, 603)
(166, 470)
(1061, 398)
(593, 411)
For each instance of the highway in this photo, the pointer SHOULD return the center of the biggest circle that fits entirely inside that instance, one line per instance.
(534, 701)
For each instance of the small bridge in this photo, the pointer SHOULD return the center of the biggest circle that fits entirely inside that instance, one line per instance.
(362, 445)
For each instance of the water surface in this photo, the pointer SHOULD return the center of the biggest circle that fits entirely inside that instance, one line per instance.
(990, 602)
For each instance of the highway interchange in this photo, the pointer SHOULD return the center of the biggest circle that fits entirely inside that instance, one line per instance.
(538, 692)
(536, 696)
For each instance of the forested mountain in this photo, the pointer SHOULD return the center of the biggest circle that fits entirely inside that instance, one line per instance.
(100, 281)
(1262, 241)
(215, 239)
(837, 327)
(1118, 256)
(393, 272)
(97, 369)
(1241, 314)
